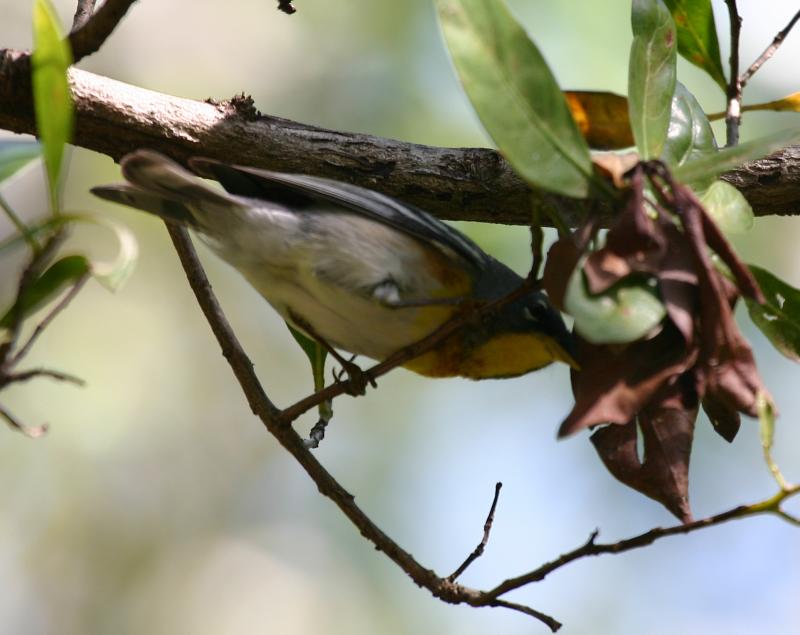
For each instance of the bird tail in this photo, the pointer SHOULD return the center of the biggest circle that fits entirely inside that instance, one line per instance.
(160, 186)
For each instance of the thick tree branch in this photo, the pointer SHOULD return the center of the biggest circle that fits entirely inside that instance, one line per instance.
(454, 183)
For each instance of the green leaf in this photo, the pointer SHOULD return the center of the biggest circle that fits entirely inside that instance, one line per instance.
(689, 135)
(51, 95)
(515, 95)
(701, 170)
(15, 155)
(728, 208)
(36, 230)
(697, 36)
(63, 273)
(651, 75)
(625, 313)
(113, 273)
(779, 317)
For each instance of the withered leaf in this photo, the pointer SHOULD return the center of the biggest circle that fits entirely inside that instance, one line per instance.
(663, 473)
(615, 383)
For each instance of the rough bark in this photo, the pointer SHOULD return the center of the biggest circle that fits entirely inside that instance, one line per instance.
(114, 118)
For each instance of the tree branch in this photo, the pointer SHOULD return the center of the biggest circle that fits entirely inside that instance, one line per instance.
(733, 113)
(591, 548)
(265, 410)
(769, 51)
(89, 37)
(454, 183)
(83, 12)
(443, 588)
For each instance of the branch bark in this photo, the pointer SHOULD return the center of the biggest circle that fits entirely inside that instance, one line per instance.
(477, 184)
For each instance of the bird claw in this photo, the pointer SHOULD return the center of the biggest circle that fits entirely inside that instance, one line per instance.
(357, 380)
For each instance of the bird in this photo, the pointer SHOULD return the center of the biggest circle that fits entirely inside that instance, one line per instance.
(352, 268)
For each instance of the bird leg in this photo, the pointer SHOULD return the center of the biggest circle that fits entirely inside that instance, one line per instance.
(357, 379)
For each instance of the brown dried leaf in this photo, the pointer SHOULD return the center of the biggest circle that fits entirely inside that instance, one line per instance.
(614, 384)
(725, 420)
(561, 260)
(663, 474)
(635, 243)
(616, 166)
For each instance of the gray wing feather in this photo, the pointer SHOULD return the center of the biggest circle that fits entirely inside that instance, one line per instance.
(282, 187)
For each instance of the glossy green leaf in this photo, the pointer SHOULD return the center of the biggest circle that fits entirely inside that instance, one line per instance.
(50, 61)
(700, 171)
(515, 95)
(651, 75)
(779, 317)
(697, 36)
(14, 155)
(728, 207)
(625, 313)
(689, 135)
(61, 274)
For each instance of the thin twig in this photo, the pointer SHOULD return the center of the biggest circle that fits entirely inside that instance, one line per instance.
(88, 38)
(769, 51)
(83, 12)
(592, 548)
(40, 328)
(441, 588)
(27, 375)
(31, 272)
(272, 419)
(487, 529)
(552, 623)
(733, 113)
(537, 242)
(32, 432)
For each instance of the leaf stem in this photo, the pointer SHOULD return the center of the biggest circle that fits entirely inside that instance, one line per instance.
(22, 228)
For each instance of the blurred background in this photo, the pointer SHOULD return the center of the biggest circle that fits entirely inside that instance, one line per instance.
(158, 504)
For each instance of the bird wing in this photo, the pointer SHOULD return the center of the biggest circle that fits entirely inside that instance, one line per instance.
(301, 191)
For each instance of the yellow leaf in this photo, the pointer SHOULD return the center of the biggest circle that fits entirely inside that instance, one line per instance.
(602, 118)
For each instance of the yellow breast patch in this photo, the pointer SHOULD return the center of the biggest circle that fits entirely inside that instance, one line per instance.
(506, 355)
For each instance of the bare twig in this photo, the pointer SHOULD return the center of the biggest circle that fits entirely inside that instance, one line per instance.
(83, 12)
(89, 37)
(27, 375)
(29, 431)
(537, 242)
(487, 529)
(591, 548)
(272, 419)
(442, 588)
(733, 113)
(769, 51)
(48, 319)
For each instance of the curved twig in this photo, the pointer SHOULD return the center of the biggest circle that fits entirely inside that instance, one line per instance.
(89, 37)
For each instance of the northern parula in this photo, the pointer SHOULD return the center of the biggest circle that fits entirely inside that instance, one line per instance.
(362, 271)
